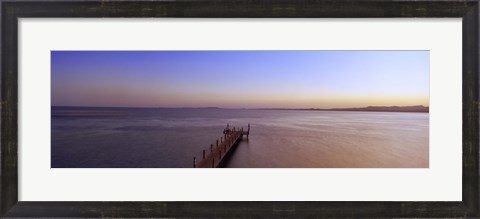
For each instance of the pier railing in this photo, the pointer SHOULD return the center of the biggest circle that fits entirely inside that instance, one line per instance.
(220, 151)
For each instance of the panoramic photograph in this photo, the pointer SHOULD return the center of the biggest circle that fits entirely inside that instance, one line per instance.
(240, 109)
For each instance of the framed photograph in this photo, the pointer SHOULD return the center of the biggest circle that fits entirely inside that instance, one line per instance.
(240, 109)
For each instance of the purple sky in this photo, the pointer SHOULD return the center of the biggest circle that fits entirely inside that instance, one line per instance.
(251, 79)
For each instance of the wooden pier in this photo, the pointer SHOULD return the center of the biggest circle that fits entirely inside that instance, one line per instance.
(219, 152)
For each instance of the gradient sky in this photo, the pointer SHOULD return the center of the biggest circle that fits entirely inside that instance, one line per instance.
(240, 79)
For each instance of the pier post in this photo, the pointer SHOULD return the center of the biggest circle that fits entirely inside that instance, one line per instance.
(213, 162)
(221, 140)
(248, 131)
(194, 162)
(211, 148)
(217, 143)
(220, 155)
(203, 154)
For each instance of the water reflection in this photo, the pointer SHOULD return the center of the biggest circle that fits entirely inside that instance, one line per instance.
(128, 137)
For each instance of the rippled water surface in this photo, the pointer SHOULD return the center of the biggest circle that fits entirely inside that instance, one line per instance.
(132, 137)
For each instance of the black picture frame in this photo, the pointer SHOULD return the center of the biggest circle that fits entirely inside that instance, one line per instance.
(468, 10)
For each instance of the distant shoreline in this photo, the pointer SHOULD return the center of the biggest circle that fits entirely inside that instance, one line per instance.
(416, 109)
(413, 109)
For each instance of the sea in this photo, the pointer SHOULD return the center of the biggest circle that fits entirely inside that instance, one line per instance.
(107, 137)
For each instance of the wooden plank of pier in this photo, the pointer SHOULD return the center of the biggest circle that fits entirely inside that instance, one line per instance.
(220, 151)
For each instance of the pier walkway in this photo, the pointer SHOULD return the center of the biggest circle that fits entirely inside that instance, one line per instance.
(222, 150)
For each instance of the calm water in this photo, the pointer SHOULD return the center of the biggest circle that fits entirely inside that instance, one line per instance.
(127, 137)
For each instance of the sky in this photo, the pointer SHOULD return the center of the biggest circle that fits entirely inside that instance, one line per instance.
(240, 79)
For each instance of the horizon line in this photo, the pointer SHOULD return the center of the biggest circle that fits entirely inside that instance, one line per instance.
(215, 107)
